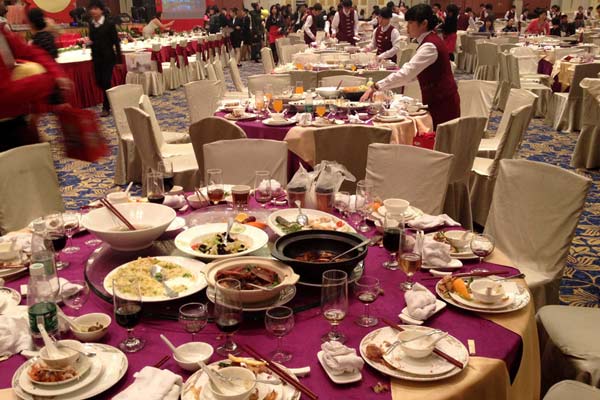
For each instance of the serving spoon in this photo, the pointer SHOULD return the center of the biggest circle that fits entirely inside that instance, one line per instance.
(361, 244)
(301, 219)
(156, 273)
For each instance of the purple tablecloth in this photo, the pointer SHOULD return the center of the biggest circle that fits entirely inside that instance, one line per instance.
(304, 342)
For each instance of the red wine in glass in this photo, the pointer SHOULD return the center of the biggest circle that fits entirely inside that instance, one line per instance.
(58, 241)
(228, 323)
(168, 182)
(391, 239)
(128, 315)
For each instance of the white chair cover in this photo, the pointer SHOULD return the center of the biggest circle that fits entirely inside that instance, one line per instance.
(279, 43)
(476, 97)
(202, 99)
(587, 149)
(252, 155)
(172, 79)
(461, 138)
(542, 91)
(309, 79)
(141, 70)
(162, 136)
(397, 170)
(527, 59)
(487, 61)
(285, 53)
(347, 80)
(184, 70)
(218, 66)
(266, 55)
(406, 54)
(572, 389)
(195, 68)
(235, 76)
(211, 73)
(28, 186)
(530, 195)
(258, 82)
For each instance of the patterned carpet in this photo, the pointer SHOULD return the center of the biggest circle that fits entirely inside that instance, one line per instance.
(81, 182)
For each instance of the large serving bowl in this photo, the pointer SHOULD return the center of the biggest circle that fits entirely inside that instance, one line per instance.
(286, 274)
(328, 92)
(150, 220)
(293, 245)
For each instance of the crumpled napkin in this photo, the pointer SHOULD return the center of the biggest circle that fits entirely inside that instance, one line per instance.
(340, 359)
(14, 332)
(354, 119)
(152, 384)
(433, 253)
(275, 186)
(420, 302)
(427, 221)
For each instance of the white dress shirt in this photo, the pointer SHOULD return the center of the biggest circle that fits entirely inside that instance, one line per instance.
(397, 20)
(98, 23)
(336, 22)
(395, 42)
(306, 27)
(426, 55)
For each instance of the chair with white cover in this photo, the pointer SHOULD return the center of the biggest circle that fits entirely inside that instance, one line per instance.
(528, 61)
(266, 55)
(184, 65)
(157, 85)
(476, 97)
(542, 91)
(140, 72)
(153, 150)
(211, 73)
(202, 99)
(280, 82)
(587, 149)
(460, 137)
(128, 166)
(252, 155)
(568, 389)
(309, 79)
(285, 53)
(169, 137)
(347, 80)
(397, 170)
(530, 195)
(487, 61)
(235, 76)
(212, 129)
(506, 47)
(406, 54)
(348, 146)
(284, 41)
(485, 170)
(28, 185)
(565, 111)
(504, 83)
(172, 79)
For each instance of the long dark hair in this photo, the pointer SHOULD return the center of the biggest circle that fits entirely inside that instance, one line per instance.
(450, 24)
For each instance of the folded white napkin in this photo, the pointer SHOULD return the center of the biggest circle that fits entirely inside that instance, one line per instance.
(275, 185)
(340, 359)
(420, 302)
(355, 202)
(427, 221)
(14, 332)
(433, 253)
(152, 384)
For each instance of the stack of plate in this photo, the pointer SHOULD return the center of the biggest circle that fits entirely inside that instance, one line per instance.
(95, 375)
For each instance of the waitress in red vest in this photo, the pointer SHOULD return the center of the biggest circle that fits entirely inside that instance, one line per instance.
(310, 27)
(386, 38)
(344, 26)
(430, 65)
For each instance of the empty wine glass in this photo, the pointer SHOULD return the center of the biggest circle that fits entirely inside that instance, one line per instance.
(364, 194)
(334, 302)
(127, 302)
(71, 222)
(193, 317)
(482, 245)
(228, 312)
(342, 202)
(279, 321)
(75, 294)
(366, 290)
(393, 225)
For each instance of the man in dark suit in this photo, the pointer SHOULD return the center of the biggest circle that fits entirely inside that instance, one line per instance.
(106, 48)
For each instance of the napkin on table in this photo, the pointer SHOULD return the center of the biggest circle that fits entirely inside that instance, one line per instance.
(14, 332)
(427, 221)
(420, 302)
(340, 359)
(433, 253)
(152, 384)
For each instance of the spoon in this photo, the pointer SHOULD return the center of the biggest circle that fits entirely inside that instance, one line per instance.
(301, 219)
(361, 244)
(70, 322)
(51, 348)
(212, 377)
(66, 346)
(266, 289)
(229, 225)
(174, 349)
(435, 331)
(156, 273)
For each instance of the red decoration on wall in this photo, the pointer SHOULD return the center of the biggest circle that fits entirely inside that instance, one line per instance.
(52, 8)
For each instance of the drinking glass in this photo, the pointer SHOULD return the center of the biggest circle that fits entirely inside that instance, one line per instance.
(410, 260)
(366, 290)
(342, 202)
(228, 312)
(155, 188)
(262, 186)
(259, 101)
(71, 222)
(268, 93)
(215, 189)
(279, 321)
(239, 196)
(393, 226)
(75, 294)
(278, 105)
(364, 191)
(334, 302)
(127, 302)
(320, 110)
(166, 168)
(55, 233)
(299, 88)
(193, 317)
(482, 245)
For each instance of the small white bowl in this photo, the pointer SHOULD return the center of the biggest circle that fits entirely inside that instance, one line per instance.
(89, 320)
(193, 352)
(176, 190)
(195, 202)
(396, 206)
(118, 197)
(419, 348)
(479, 289)
(68, 356)
(458, 239)
(245, 390)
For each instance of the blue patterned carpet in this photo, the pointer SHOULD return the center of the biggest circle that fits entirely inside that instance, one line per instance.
(81, 182)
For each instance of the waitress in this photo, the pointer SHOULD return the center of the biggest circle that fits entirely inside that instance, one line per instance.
(430, 66)
(386, 38)
(344, 26)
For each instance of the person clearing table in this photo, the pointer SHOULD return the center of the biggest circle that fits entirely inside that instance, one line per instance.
(344, 26)
(430, 66)
(386, 38)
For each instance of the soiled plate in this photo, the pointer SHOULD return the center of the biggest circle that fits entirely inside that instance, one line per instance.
(285, 296)
(246, 116)
(503, 303)
(392, 118)
(273, 122)
(82, 366)
(290, 214)
(410, 213)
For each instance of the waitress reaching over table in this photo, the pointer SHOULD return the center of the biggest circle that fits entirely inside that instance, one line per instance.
(430, 65)
(386, 38)
(344, 26)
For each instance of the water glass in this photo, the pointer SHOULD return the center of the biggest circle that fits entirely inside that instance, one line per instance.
(228, 312)
(366, 290)
(71, 222)
(334, 302)
(279, 321)
(75, 294)
(410, 259)
(364, 192)
(240, 195)
(259, 101)
(127, 302)
(342, 202)
(299, 88)
(262, 186)
(215, 188)
(193, 317)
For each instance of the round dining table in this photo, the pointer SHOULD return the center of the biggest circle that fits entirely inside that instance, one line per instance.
(504, 362)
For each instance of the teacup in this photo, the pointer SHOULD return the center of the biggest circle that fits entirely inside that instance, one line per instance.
(392, 112)
(412, 108)
(118, 197)
(238, 111)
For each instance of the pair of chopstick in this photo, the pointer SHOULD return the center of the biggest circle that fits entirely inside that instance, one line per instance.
(281, 373)
(200, 195)
(482, 273)
(437, 351)
(116, 212)
(161, 361)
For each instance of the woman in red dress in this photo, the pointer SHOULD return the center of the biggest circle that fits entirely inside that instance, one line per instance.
(275, 27)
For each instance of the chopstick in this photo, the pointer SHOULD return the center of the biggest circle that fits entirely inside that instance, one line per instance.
(482, 273)
(437, 351)
(162, 361)
(281, 373)
(116, 212)
(200, 195)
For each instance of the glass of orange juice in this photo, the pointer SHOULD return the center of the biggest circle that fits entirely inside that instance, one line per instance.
(259, 100)
(320, 110)
(278, 105)
(269, 91)
(299, 89)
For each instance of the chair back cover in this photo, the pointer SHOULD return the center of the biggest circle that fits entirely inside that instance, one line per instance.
(509, 142)
(212, 129)
(526, 59)
(309, 79)
(210, 70)
(252, 155)
(266, 55)
(534, 213)
(516, 99)
(587, 149)
(487, 61)
(258, 82)
(476, 97)
(235, 75)
(219, 70)
(146, 106)
(144, 136)
(418, 175)
(582, 71)
(202, 98)
(285, 53)
(120, 97)
(28, 186)
(347, 80)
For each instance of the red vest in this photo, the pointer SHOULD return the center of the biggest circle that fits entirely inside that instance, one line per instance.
(384, 40)
(345, 30)
(313, 29)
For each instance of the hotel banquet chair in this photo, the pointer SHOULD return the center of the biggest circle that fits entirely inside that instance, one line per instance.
(487, 61)
(266, 55)
(566, 111)
(211, 129)
(572, 390)
(251, 155)
(348, 146)
(172, 80)
(504, 84)
(28, 186)
(534, 213)
(258, 82)
(405, 54)
(587, 149)
(376, 75)
(542, 91)
(279, 43)
(235, 76)
(309, 79)
(528, 60)
(476, 97)
(157, 86)
(202, 99)
(184, 69)
(144, 73)
(168, 137)
(397, 170)
(152, 150)
(569, 343)
(460, 137)
(347, 80)
(485, 170)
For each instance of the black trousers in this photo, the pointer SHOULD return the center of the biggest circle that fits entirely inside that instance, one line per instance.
(17, 132)
(274, 50)
(103, 73)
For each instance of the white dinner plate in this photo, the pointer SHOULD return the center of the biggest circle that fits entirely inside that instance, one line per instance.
(257, 238)
(410, 213)
(329, 221)
(503, 303)
(176, 225)
(88, 369)
(285, 296)
(346, 377)
(194, 267)
(246, 116)
(389, 118)
(273, 122)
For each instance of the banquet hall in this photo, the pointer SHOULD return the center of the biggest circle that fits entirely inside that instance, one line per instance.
(358, 199)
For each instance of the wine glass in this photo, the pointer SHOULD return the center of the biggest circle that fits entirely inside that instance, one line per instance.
(228, 312)
(482, 245)
(342, 202)
(393, 225)
(259, 101)
(334, 302)
(75, 294)
(166, 168)
(193, 317)
(364, 191)
(71, 222)
(279, 321)
(215, 189)
(155, 188)
(262, 186)
(127, 302)
(366, 290)
(278, 105)
(410, 259)
(55, 233)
